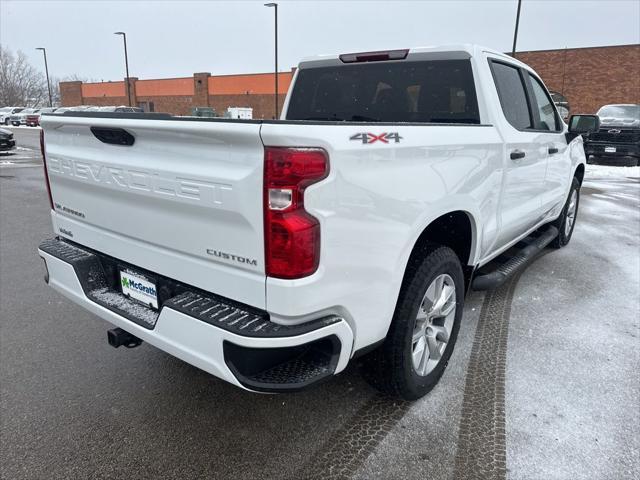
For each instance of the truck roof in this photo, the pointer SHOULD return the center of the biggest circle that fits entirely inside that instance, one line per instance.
(466, 49)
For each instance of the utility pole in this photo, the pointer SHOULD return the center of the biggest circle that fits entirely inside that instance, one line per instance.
(46, 69)
(564, 69)
(275, 5)
(515, 34)
(126, 64)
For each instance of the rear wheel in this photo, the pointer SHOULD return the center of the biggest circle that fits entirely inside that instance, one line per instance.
(566, 222)
(424, 327)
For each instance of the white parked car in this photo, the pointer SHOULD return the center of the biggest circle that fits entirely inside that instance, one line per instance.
(7, 112)
(271, 253)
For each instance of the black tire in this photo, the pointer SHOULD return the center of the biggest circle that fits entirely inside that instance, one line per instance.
(564, 236)
(390, 367)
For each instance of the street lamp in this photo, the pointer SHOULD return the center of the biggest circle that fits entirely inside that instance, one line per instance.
(515, 34)
(126, 63)
(275, 6)
(46, 69)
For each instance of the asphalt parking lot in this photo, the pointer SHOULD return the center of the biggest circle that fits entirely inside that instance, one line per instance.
(543, 383)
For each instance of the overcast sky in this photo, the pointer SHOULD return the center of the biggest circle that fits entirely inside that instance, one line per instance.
(176, 38)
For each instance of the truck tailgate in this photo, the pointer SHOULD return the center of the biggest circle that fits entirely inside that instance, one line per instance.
(184, 200)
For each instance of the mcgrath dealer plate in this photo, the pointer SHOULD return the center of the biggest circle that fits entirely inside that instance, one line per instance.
(139, 288)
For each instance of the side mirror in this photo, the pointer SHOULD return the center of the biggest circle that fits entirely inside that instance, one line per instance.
(581, 124)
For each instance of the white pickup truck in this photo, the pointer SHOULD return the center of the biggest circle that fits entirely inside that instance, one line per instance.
(271, 253)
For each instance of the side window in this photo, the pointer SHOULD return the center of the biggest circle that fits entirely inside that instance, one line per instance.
(545, 114)
(512, 93)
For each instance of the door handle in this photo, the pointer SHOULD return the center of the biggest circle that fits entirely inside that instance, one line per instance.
(552, 150)
(517, 154)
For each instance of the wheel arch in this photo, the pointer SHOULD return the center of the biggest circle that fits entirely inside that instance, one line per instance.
(456, 229)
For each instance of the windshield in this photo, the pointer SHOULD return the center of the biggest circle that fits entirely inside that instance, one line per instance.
(620, 111)
(5, 109)
(439, 91)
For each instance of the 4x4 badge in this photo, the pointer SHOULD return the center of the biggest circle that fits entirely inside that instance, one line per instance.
(367, 138)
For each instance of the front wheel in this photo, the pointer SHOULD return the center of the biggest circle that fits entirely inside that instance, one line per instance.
(566, 222)
(424, 327)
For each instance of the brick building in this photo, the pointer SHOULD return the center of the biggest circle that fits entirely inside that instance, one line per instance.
(179, 95)
(589, 78)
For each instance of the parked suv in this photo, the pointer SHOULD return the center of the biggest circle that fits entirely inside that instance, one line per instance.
(270, 253)
(617, 141)
(20, 118)
(6, 112)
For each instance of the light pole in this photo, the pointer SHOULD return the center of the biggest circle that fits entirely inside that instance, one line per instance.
(46, 69)
(126, 64)
(515, 34)
(275, 6)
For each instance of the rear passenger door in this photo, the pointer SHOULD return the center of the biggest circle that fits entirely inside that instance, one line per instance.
(525, 159)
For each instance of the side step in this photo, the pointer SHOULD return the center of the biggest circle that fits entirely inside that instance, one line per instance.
(501, 271)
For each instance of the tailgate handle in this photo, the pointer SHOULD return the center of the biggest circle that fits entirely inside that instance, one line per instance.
(113, 136)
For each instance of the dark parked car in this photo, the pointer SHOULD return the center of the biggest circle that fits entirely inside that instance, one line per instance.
(6, 140)
(617, 142)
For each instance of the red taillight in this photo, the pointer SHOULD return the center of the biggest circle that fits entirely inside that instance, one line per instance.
(46, 173)
(291, 234)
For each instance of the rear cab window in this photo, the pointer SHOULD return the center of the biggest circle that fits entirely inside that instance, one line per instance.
(513, 94)
(431, 91)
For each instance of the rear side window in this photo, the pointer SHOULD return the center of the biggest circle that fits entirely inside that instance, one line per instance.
(513, 97)
(545, 117)
(438, 91)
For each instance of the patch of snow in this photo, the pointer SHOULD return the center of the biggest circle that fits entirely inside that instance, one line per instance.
(117, 300)
(609, 171)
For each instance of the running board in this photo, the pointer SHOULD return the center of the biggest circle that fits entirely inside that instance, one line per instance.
(505, 269)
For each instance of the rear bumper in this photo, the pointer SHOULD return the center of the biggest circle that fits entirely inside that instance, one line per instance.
(243, 347)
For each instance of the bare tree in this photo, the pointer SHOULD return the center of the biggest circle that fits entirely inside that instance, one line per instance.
(55, 85)
(20, 83)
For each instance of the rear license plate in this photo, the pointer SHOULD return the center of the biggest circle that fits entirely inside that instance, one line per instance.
(139, 288)
(609, 149)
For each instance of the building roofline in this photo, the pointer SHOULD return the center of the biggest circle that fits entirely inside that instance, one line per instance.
(577, 48)
(289, 72)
